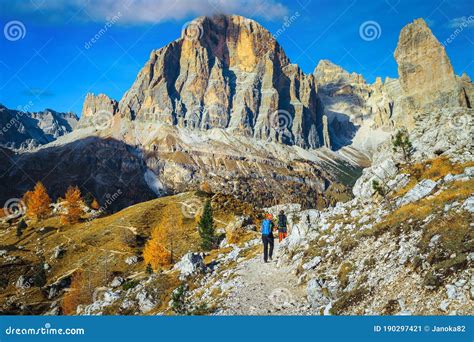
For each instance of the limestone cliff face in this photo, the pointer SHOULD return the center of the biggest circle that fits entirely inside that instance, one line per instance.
(228, 72)
(427, 77)
(351, 104)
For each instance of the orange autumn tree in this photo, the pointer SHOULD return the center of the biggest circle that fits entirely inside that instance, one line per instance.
(78, 293)
(73, 205)
(160, 249)
(37, 202)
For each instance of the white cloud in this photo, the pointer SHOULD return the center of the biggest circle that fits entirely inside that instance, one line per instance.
(145, 11)
(462, 22)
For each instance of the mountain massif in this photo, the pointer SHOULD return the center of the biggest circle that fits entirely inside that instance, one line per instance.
(223, 105)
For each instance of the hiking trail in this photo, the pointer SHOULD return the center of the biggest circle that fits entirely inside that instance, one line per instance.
(260, 288)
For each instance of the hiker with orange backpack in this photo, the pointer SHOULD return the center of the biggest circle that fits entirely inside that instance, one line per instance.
(282, 226)
(267, 237)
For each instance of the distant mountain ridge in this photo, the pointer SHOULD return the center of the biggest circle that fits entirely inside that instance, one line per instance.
(21, 131)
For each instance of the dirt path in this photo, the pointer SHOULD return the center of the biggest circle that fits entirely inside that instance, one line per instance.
(264, 289)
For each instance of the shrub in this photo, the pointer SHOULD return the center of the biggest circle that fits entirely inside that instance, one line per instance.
(39, 278)
(401, 143)
(130, 284)
(20, 227)
(178, 300)
(348, 299)
(379, 188)
(343, 273)
(149, 269)
(181, 305)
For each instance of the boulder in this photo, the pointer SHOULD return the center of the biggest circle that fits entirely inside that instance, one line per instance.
(117, 281)
(189, 264)
(58, 252)
(469, 204)
(22, 282)
(421, 190)
(399, 182)
(300, 225)
(103, 297)
(131, 260)
(382, 173)
(469, 171)
(145, 301)
(316, 293)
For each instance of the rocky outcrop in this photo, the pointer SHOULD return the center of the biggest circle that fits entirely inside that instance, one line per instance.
(426, 75)
(23, 130)
(96, 103)
(228, 72)
(98, 111)
(189, 264)
(444, 132)
(421, 190)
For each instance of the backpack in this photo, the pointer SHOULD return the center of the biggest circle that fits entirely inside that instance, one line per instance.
(282, 221)
(266, 227)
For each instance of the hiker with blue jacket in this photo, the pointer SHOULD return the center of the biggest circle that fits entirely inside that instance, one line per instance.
(267, 237)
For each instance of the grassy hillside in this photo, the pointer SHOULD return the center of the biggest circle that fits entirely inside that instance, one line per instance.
(98, 247)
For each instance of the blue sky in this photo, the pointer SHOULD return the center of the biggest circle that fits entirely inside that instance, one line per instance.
(46, 61)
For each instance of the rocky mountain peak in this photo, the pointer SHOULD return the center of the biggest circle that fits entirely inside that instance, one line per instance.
(228, 72)
(427, 77)
(326, 72)
(95, 103)
(236, 41)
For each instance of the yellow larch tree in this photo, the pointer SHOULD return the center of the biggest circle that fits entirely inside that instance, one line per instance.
(37, 202)
(73, 205)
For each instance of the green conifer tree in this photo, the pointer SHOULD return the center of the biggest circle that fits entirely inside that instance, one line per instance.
(206, 228)
(401, 142)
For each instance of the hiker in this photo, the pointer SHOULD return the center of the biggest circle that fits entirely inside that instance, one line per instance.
(267, 237)
(282, 223)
